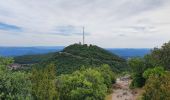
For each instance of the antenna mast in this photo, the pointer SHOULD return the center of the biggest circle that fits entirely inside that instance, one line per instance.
(83, 35)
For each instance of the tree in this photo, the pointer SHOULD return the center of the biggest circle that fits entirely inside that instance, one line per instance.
(161, 56)
(13, 85)
(137, 68)
(108, 75)
(157, 87)
(43, 83)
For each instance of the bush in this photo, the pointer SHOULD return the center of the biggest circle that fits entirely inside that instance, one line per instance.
(157, 71)
(88, 84)
(108, 75)
(157, 87)
(13, 85)
(138, 81)
(137, 68)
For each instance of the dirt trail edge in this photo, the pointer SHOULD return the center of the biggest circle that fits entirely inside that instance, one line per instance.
(121, 90)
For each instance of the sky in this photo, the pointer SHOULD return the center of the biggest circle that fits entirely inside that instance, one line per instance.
(108, 23)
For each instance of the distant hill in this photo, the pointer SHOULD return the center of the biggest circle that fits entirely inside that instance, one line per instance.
(19, 51)
(130, 52)
(75, 56)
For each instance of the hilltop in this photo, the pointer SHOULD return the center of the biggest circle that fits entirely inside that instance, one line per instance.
(75, 57)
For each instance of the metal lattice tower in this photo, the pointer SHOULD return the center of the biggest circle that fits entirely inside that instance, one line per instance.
(83, 36)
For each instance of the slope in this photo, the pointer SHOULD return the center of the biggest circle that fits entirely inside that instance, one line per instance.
(76, 56)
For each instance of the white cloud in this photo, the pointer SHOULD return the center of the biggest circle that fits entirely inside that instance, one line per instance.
(111, 23)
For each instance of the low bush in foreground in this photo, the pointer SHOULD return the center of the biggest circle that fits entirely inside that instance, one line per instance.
(88, 84)
(157, 86)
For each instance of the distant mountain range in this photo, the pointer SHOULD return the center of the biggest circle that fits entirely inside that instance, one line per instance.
(19, 51)
(130, 52)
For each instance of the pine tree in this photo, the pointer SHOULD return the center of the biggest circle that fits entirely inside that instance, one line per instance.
(43, 83)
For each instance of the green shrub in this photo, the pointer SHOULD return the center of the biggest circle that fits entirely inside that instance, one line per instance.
(157, 71)
(137, 68)
(157, 87)
(88, 84)
(13, 85)
(108, 75)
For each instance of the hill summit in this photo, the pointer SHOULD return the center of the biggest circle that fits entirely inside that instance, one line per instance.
(75, 57)
(91, 52)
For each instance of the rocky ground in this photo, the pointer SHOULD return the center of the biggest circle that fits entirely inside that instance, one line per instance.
(122, 91)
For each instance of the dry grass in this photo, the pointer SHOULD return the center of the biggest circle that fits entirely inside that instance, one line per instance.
(108, 97)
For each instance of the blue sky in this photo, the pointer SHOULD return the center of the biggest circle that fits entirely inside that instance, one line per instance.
(8, 27)
(108, 23)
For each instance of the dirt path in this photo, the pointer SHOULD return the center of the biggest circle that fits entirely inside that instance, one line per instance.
(122, 91)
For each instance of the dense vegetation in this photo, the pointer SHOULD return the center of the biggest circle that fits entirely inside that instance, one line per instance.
(88, 84)
(13, 85)
(74, 57)
(43, 84)
(32, 59)
(157, 85)
(79, 73)
(152, 72)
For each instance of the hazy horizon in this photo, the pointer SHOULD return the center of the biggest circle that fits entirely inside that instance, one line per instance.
(46, 46)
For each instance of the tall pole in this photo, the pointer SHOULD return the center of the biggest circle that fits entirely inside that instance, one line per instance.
(83, 35)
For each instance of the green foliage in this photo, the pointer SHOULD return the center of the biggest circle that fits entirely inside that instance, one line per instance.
(108, 75)
(157, 71)
(155, 79)
(91, 52)
(43, 83)
(4, 62)
(88, 84)
(160, 56)
(13, 85)
(138, 81)
(75, 56)
(137, 67)
(30, 59)
(157, 86)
